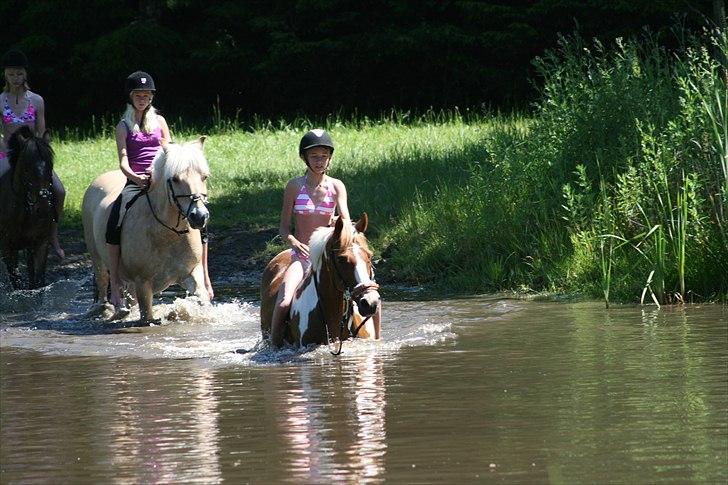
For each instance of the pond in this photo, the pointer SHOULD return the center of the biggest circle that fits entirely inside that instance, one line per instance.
(462, 390)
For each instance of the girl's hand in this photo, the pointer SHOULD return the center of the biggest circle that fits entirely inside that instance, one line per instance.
(300, 248)
(142, 180)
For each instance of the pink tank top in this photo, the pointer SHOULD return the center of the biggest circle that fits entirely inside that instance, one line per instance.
(141, 148)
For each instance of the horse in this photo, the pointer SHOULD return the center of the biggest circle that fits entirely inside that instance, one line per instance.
(336, 297)
(27, 208)
(160, 237)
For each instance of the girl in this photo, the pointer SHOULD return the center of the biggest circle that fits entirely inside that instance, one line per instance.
(309, 202)
(139, 136)
(21, 107)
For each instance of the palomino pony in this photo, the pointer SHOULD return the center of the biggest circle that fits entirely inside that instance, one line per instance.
(27, 209)
(336, 297)
(160, 237)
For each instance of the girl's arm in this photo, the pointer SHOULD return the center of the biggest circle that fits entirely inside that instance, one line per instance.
(289, 198)
(166, 136)
(121, 132)
(341, 199)
(40, 123)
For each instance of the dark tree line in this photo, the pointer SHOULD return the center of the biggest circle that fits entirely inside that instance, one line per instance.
(311, 57)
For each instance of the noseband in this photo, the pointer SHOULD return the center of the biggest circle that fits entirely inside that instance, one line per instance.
(349, 295)
(181, 213)
(32, 198)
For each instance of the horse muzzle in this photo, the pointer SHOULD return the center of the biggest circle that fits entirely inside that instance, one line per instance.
(198, 217)
(368, 303)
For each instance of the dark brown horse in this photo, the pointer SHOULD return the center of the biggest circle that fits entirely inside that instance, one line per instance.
(335, 299)
(27, 209)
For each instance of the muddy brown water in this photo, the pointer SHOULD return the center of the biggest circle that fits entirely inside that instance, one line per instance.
(482, 389)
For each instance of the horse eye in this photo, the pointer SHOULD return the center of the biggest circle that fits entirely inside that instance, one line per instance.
(175, 179)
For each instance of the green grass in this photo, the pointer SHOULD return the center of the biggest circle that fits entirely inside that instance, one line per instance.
(616, 183)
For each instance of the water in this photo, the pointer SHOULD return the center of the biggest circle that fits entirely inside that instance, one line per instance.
(458, 391)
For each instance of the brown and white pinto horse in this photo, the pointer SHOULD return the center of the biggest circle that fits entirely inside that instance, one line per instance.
(336, 298)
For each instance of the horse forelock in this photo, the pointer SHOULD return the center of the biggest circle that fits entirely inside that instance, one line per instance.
(347, 239)
(177, 159)
(26, 154)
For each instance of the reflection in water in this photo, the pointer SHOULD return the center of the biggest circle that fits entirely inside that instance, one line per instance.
(369, 448)
(146, 434)
(476, 390)
(355, 447)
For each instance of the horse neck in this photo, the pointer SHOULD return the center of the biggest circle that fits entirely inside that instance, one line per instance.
(164, 207)
(330, 297)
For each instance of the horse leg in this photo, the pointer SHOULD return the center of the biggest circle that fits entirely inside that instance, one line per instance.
(37, 258)
(10, 258)
(198, 277)
(101, 281)
(144, 298)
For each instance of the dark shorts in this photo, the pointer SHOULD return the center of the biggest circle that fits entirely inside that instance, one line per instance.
(131, 192)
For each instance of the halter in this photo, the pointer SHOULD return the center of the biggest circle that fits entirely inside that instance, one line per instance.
(349, 294)
(181, 214)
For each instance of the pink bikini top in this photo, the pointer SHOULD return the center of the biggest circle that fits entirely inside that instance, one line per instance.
(9, 116)
(304, 204)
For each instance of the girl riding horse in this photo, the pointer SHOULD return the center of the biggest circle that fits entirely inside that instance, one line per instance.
(139, 136)
(309, 202)
(22, 107)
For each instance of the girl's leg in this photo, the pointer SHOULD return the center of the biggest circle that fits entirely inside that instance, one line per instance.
(113, 246)
(208, 283)
(293, 276)
(59, 196)
(377, 320)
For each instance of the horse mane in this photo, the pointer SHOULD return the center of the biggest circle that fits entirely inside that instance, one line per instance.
(175, 159)
(319, 238)
(23, 140)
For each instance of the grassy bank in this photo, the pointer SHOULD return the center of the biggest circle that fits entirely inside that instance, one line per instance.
(614, 187)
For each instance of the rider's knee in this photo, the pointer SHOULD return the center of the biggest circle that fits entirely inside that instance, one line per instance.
(59, 191)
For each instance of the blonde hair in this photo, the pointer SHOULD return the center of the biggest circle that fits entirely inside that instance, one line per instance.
(6, 88)
(150, 121)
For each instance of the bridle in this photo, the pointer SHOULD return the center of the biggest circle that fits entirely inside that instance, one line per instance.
(45, 191)
(349, 295)
(181, 213)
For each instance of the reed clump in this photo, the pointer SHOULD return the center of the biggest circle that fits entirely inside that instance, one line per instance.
(615, 188)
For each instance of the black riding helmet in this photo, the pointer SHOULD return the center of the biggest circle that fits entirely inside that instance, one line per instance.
(139, 80)
(15, 58)
(315, 138)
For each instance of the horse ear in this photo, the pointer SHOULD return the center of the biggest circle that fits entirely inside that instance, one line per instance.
(362, 223)
(47, 136)
(201, 141)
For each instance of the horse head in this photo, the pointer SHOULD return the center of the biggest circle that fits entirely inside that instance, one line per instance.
(348, 260)
(31, 160)
(182, 171)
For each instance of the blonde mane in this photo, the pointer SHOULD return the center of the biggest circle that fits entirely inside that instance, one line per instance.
(177, 159)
